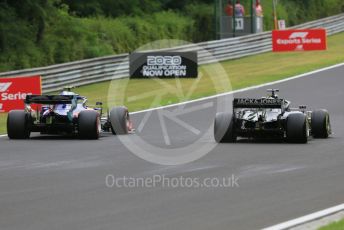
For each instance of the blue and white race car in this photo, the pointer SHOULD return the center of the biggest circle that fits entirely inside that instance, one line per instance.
(66, 113)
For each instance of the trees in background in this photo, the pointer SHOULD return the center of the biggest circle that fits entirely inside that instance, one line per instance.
(44, 32)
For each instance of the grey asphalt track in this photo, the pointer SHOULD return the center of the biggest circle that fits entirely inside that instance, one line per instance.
(59, 183)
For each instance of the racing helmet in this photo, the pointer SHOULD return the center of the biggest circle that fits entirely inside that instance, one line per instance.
(64, 92)
(67, 91)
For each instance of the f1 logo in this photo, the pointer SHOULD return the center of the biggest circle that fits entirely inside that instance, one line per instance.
(297, 35)
(4, 86)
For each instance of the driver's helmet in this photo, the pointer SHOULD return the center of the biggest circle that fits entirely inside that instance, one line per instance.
(67, 93)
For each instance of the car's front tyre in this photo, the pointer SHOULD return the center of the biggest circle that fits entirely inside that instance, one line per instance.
(320, 126)
(119, 119)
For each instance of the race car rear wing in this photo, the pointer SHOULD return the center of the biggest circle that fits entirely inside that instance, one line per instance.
(258, 103)
(50, 99)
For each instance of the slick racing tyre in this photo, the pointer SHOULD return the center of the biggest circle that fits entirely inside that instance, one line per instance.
(297, 128)
(320, 126)
(119, 119)
(224, 128)
(18, 124)
(89, 124)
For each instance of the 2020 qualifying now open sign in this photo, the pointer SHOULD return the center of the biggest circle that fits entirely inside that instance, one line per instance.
(299, 40)
(13, 91)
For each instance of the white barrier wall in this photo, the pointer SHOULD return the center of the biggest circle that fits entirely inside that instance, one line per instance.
(95, 70)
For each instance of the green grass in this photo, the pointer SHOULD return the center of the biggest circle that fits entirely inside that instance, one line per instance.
(241, 73)
(3, 117)
(334, 226)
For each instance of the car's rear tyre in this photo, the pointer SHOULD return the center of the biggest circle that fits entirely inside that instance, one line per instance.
(224, 128)
(297, 128)
(119, 119)
(89, 124)
(18, 124)
(320, 126)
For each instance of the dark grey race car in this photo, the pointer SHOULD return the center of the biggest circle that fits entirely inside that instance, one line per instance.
(271, 117)
(66, 113)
